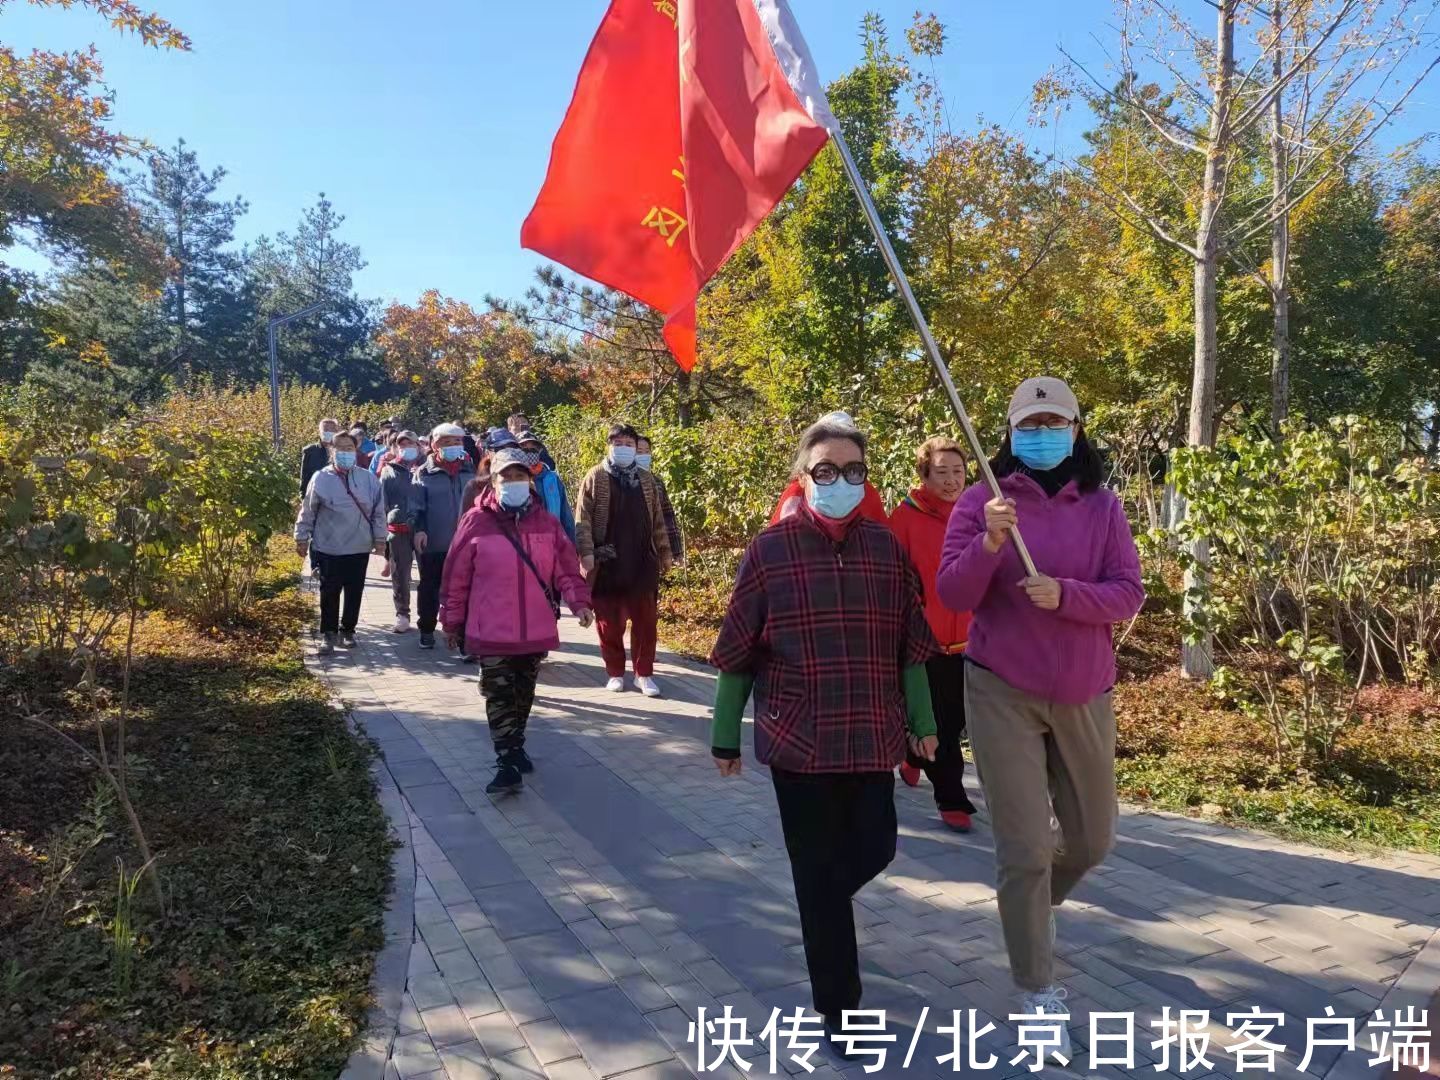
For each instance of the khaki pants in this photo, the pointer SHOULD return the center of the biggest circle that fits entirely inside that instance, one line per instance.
(1034, 755)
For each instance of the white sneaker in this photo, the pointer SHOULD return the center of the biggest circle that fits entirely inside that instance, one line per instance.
(402, 624)
(648, 686)
(616, 685)
(1051, 1000)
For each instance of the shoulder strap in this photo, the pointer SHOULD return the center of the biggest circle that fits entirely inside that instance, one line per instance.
(525, 557)
(364, 514)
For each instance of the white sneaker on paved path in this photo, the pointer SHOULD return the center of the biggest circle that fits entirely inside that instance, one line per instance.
(648, 686)
(402, 624)
(616, 685)
(1049, 1000)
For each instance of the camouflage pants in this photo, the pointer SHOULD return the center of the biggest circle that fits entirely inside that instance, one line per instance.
(508, 685)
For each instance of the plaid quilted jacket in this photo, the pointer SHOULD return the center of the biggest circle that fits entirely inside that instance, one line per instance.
(826, 629)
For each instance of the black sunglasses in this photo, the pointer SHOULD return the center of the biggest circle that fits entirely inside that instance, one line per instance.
(826, 473)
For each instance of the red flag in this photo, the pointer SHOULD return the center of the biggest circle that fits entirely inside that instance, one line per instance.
(690, 121)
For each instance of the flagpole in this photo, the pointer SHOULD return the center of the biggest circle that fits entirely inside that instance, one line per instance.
(892, 261)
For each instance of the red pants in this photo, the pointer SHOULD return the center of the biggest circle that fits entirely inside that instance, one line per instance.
(611, 615)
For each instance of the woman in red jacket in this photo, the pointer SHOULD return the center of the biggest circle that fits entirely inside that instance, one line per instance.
(919, 524)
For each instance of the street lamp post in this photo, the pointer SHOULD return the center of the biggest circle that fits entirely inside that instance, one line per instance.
(277, 321)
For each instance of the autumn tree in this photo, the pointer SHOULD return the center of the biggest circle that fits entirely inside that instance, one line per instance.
(457, 362)
(58, 150)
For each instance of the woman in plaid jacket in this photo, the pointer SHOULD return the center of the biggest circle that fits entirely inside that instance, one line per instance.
(827, 626)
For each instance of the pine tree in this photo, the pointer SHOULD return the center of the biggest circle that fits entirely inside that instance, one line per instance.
(204, 289)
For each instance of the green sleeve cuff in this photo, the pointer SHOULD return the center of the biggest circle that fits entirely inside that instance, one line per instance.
(919, 709)
(732, 690)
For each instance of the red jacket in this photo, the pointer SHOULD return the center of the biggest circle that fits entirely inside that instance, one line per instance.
(793, 498)
(919, 523)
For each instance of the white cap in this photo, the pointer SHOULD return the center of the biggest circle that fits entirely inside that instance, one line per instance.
(839, 416)
(439, 431)
(1045, 394)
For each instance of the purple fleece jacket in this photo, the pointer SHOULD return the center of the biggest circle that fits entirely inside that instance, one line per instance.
(1084, 541)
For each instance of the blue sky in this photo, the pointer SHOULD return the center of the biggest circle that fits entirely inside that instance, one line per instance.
(429, 123)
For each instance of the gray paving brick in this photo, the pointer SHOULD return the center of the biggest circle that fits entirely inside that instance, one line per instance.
(430, 991)
(497, 1033)
(611, 1033)
(468, 916)
(413, 1056)
(446, 1025)
(713, 977)
(504, 972)
(548, 1041)
(467, 1061)
(516, 1065)
(485, 943)
(645, 993)
(524, 1005)
(574, 1069)
(458, 966)
(558, 964)
(476, 998)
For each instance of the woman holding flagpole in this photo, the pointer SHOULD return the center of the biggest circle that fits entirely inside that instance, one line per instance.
(1041, 666)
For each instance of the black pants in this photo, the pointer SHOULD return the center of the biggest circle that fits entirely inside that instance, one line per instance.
(340, 574)
(840, 832)
(508, 685)
(947, 772)
(427, 602)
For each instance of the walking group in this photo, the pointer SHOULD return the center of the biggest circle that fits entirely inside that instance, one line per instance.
(490, 527)
(869, 642)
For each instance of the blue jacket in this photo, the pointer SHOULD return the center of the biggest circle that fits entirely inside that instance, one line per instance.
(552, 494)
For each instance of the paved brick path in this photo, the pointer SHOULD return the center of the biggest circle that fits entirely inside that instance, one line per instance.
(572, 931)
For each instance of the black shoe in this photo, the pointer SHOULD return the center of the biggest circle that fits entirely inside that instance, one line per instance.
(507, 779)
(347, 639)
(521, 760)
(427, 641)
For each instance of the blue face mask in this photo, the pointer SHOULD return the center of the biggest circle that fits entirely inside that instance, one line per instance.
(644, 460)
(1042, 448)
(622, 457)
(514, 493)
(837, 500)
(452, 453)
(344, 459)
(408, 453)
(327, 437)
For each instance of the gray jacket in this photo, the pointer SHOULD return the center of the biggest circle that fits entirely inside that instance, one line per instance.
(396, 481)
(435, 503)
(333, 522)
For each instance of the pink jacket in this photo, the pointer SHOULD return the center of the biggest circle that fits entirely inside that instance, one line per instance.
(1084, 541)
(489, 593)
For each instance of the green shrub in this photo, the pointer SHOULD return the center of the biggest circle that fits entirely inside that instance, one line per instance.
(1324, 574)
(231, 494)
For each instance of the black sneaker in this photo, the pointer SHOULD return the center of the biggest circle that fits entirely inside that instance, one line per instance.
(507, 779)
(347, 639)
(521, 760)
(427, 641)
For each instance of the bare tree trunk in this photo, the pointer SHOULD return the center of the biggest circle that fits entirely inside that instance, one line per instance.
(1279, 240)
(684, 411)
(1197, 660)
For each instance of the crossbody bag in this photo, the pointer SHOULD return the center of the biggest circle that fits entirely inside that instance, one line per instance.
(525, 557)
